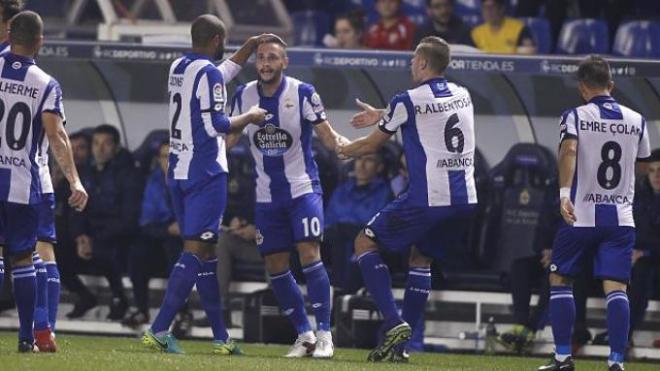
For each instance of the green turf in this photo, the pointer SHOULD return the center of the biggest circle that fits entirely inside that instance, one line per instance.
(105, 353)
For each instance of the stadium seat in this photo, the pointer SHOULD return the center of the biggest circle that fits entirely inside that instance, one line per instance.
(520, 202)
(583, 36)
(540, 29)
(638, 39)
(309, 27)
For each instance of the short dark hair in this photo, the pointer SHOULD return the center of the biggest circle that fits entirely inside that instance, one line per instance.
(205, 28)
(109, 130)
(594, 71)
(25, 29)
(428, 2)
(655, 155)
(355, 19)
(10, 8)
(436, 50)
(81, 134)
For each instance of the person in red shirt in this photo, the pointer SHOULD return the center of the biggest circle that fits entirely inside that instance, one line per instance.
(394, 31)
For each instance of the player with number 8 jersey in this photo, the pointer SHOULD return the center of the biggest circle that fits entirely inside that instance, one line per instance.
(600, 143)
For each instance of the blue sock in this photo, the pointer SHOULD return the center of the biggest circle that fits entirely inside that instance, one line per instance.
(53, 292)
(179, 285)
(291, 300)
(41, 307)
(416, 295)
(25, 292)
(618, 322)
(209, 294)
(562, 317)
(2, 271)
(318, 290)
(379, 283)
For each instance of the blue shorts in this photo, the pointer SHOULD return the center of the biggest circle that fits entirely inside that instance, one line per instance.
(281, 224)
(609, 247)
(46, 229)
(400, 225)
(18, 226)
(199, 205)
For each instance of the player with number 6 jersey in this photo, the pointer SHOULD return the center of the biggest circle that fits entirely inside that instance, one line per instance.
(600, 142)
(289, 210)
(436, 120)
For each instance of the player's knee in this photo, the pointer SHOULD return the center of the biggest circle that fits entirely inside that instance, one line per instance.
(309, 252)
(46, 251)
(418, 260)
(610, 286)
(363, 244)
(558, 280)
(277, 263)
(20, 259)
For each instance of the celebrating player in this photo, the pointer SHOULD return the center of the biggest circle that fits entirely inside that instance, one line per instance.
(597, 191)
(289, 210)
(29, 94)
(437, 126)
(197, 174)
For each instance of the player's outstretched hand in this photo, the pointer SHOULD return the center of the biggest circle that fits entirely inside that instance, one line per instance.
(369, 115)
(339, 150)
(257, 114)
(78, 198)
(567, 211)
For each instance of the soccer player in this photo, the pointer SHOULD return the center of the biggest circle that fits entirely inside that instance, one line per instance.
(437, 126)
(600, 142)
(289, 209)
(32, 113)
(197, 174)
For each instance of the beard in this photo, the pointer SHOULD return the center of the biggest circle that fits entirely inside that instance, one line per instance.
(276, 77)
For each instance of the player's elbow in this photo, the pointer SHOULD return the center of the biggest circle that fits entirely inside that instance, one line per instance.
(221, 124)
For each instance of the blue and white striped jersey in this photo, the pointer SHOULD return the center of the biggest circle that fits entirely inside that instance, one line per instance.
(610, 139)
(198, 123)
(26, 92)
(282, 144)
(437, 125)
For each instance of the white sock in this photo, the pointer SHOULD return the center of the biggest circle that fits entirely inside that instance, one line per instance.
(561, 357)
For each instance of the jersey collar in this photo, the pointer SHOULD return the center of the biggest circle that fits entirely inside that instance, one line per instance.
(18, 58)
(195, 56)
(440, 80)
(277, 92)
(600, 99)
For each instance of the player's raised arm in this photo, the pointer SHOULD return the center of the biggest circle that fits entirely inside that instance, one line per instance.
(369, 116)
(61, 148)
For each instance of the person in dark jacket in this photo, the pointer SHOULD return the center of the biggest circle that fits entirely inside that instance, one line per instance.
(443, 23)
(104, 231)
(646, 255)
(351, 206)
(159, 236)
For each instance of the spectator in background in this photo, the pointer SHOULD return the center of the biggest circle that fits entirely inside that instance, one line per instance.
(444, 24)
(393, 31)
(160, 236)
(646, 255)
(351, 206)
(238, 242)
(501, 34)
(104, 230)
(349, 31)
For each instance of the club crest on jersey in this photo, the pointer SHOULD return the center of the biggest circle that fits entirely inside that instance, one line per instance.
(317, 106)
(272, 141)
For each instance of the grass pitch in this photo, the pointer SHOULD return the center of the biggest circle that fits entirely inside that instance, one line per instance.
(90, 353)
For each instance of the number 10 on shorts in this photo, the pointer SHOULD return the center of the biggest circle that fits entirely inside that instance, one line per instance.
(312, 225)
